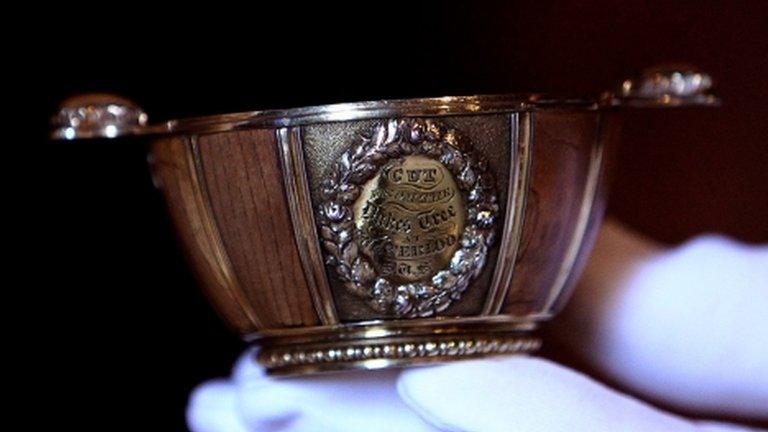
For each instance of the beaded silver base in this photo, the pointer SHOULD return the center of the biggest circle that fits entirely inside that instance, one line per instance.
(377, 347)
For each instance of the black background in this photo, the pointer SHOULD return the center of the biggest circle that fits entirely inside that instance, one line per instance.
(126, 334)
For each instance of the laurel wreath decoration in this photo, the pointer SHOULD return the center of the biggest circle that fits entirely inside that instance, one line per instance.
(395, 139)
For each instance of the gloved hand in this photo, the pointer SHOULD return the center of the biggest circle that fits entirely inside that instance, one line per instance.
(686, 328)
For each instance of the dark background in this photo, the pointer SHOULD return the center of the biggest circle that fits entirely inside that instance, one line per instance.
(125, 324)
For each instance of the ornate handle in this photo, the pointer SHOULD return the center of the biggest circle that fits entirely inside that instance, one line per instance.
(109, 116)
(97, 115)
(662, 87)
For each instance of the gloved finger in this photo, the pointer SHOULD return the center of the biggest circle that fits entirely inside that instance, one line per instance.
(527, 394)
(350, 401)
(684, 327)
(212, 407)
(246, 369)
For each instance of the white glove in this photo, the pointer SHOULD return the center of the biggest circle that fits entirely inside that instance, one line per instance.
(686, 328)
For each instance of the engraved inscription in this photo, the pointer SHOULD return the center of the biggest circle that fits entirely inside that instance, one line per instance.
(409, 218)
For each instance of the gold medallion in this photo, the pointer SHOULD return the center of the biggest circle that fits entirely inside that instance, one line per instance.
(409, 219)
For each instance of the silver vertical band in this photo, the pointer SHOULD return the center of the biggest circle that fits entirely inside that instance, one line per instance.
(303, 221)
(587, 202)
(517, 194)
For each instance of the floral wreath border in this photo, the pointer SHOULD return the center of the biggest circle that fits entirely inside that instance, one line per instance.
(394, 139)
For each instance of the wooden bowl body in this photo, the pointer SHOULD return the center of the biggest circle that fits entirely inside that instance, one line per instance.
(245, 201)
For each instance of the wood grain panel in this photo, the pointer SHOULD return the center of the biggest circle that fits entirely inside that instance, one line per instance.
(247, 195)
(562, 141)
(175, 173)
(610, 133)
